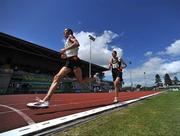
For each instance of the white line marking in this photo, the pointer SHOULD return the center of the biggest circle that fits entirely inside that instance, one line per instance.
(23, 115)
(10, 111)
(22, 103)
(59, 121)
(59, 105)
(66, 104)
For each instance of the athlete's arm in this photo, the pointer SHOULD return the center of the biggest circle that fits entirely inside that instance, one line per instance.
(110, 63)
(124, 65)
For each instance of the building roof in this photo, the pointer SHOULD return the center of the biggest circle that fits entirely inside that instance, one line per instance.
(34, 56)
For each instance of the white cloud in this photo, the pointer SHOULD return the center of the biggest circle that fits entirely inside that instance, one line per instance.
(173, 67)
(174, 49)
(161, 53)
(101, 48)
(153, 66)
(156, 65)
(149, 53)
(101, 53)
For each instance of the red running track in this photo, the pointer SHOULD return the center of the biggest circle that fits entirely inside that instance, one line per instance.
(15, 114)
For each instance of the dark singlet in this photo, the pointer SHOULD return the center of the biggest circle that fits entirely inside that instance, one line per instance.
(116, 64)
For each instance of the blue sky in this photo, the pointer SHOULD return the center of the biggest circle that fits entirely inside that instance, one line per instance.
(146, 32)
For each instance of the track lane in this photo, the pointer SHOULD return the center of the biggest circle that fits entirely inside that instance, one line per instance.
(61, 105)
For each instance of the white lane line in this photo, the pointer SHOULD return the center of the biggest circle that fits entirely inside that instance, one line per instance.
(22, 103)
(27, 130)
(23, 115)
(58, 105)
(10, 111)
(66, 104)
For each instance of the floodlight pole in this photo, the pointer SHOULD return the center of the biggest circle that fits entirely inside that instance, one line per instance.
(144, 80)
(90, 60)
(91, 38)
(131, 77)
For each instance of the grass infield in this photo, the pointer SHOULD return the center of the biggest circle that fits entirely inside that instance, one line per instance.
(157, 116)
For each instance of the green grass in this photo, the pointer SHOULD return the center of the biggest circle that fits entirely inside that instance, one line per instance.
(158, 116)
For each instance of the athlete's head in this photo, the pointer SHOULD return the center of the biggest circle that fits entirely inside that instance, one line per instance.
(114, 53)
(68, 32)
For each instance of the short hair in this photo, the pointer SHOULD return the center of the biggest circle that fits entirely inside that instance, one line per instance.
(69, 30)
(114, 51)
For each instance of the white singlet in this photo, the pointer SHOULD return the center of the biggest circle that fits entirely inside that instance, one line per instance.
(71, 52)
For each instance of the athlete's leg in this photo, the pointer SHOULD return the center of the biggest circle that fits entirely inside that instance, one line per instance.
(45, 102)
(78, 75)
(117, 88)
(64, 71)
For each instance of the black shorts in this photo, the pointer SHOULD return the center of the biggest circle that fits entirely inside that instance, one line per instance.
(73, 62)
(116, 73)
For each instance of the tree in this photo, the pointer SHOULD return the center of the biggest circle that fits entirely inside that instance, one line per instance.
(176, 80)
(158, 81)
(167, 80)
(138, 86)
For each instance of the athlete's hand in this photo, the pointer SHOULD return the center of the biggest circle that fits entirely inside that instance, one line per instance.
(62, 51)
(63, 56)
(120, 68)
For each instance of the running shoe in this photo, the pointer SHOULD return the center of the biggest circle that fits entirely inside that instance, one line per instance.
(39, 104)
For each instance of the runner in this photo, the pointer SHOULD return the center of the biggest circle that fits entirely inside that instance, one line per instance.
(117, 64)
(70, 53)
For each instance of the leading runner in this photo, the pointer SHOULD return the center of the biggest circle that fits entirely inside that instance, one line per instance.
(70, 53)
